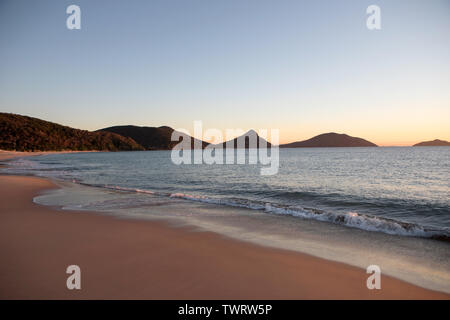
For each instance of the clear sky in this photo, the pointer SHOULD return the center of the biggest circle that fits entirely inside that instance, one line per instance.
(305, 67)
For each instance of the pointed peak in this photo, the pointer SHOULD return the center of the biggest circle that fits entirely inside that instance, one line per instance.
(251, 131)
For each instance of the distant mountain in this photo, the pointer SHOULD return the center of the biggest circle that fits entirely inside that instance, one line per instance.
(152, 138)
(434, 143)
(330, 140)
(22, 133)
(250, 135)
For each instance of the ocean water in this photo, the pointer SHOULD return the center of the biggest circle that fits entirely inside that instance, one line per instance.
(362, 206)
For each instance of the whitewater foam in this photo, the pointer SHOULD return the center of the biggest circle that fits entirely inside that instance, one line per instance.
(349, 219)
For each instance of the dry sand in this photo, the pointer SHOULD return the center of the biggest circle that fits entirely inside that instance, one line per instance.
(130, 259)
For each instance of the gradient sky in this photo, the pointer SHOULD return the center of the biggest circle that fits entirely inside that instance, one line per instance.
(303, 67)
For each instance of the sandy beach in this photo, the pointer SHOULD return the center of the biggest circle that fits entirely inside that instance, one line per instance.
(130, 259)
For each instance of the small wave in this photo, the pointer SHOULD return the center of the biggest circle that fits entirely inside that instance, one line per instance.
(128, 189)
(349, 219)
(232, 202)
(360, 221)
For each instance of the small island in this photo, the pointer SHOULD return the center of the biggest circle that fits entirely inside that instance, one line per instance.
(434, 143)
(330, 140)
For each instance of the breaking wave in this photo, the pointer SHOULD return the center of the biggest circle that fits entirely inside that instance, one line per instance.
(350, 219)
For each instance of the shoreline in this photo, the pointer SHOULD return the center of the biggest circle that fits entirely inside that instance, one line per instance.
(8, 155)
(190, 264)
(161, 261)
